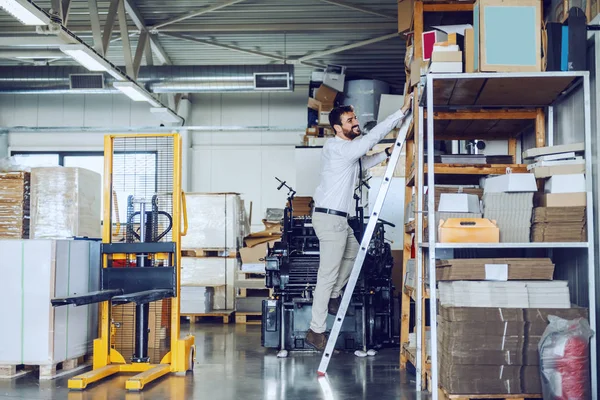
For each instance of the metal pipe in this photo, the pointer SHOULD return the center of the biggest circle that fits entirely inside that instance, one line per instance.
(157, 79)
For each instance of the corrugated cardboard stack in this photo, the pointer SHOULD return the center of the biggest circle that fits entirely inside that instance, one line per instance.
(493, 350)
(302, 206)
(477, 269)
(14, 205)
(559, 224)
(508, 200)
(490, 322)
(560, 213)
(217, 226)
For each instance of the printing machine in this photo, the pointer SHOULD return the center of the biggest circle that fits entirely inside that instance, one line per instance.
(291, 270)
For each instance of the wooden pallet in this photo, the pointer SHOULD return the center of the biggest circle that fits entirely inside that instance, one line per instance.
(224, 314)
(248, 318)
(445, 395)
(46, 372)
(222, 252)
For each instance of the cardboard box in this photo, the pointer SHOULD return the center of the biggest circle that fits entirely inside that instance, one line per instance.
(326, 95)
(405, 15)
(510, 183)
(563, 148)
(468, 230)
(562, 200)
(546, 172)
(418, 69)
(494, 314)
(490, 268)
(447, 56)
(570, 183)
(459, 202)
(334, 77)
(469, 50)
(14, 207)
(253, 255)
(508, 47)
(445, 67)
(313, 131)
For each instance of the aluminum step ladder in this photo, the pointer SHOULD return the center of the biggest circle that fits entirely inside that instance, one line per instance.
(364, 244)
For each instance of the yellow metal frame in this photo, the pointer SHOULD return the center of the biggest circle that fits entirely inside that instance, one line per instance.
(106, 360)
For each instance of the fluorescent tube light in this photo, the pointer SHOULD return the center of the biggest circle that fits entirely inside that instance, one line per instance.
(136, 93)
(25, 12)
(166, 115)
(86, 57)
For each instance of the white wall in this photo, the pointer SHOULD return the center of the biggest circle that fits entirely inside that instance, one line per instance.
(241, 161)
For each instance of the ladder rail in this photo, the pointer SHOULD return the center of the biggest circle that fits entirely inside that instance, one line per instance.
(364, 245)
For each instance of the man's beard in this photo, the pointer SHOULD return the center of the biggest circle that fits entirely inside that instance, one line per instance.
(353, 133)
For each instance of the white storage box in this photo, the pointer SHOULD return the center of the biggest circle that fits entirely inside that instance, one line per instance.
(571, 183)
(215, 220)
(510, 183)
(65, 202)
(34, 272)
(459, 202)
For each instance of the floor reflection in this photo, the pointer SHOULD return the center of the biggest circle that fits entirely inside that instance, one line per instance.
(231, 364)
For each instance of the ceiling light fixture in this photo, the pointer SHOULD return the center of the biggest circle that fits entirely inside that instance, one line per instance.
(136, 93)
(89, 59)
(25, 12)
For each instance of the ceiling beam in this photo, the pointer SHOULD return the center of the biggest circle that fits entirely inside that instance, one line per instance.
(196, 13)
(32, 54)
(109, 24)
(358, 8)
(30, 40)
(139, 53)
(125, 39)
(347, 47)
(138, 20)
(95, 23)
(65, 7)
(238, 49)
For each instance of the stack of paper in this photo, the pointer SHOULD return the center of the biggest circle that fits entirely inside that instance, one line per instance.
(559, 224)
(556, 160)
(514, 294)
(512, 213)
(196, 299)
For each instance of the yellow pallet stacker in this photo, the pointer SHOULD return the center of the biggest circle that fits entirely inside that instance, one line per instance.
(141, 266)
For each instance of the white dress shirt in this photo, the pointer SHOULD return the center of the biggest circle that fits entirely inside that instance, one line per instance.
(339, 165)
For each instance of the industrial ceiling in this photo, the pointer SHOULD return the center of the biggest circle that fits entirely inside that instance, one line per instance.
(359, 34)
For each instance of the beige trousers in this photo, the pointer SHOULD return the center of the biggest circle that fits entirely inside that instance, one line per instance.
(338, 249)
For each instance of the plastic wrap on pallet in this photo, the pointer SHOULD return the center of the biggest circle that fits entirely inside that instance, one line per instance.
(215, 221)
(65, 202)
(224, 298)
(14, 205)
(196, 299)
(33, 272)
(208, 271)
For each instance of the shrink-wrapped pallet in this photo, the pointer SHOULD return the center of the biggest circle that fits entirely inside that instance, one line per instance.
(215, 220)
(65, 202)
(34, 272)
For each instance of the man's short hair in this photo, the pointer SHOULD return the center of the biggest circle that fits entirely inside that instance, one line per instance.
(335, 116)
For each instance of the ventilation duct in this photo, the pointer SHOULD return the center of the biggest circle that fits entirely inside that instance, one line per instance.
(156, 79)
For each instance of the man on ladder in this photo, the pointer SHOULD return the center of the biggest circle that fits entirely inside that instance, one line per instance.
(343, 159)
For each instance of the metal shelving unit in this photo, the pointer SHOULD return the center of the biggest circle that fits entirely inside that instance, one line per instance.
(491, 95)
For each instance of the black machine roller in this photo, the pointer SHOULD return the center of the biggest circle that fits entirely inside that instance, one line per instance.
(291, 270)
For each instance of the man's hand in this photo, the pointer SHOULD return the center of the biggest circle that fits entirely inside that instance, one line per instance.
(407, 103)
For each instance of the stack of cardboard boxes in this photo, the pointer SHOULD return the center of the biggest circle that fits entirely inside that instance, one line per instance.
(491, 321)
(561, 212)
(14, 205)
(322, 102)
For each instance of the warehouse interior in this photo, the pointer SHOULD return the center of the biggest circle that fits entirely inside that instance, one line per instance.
(165, 187)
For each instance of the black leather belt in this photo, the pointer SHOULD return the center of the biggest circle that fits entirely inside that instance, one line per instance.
(332, 212)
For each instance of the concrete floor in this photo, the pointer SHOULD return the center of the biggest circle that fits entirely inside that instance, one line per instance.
(231, 364)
